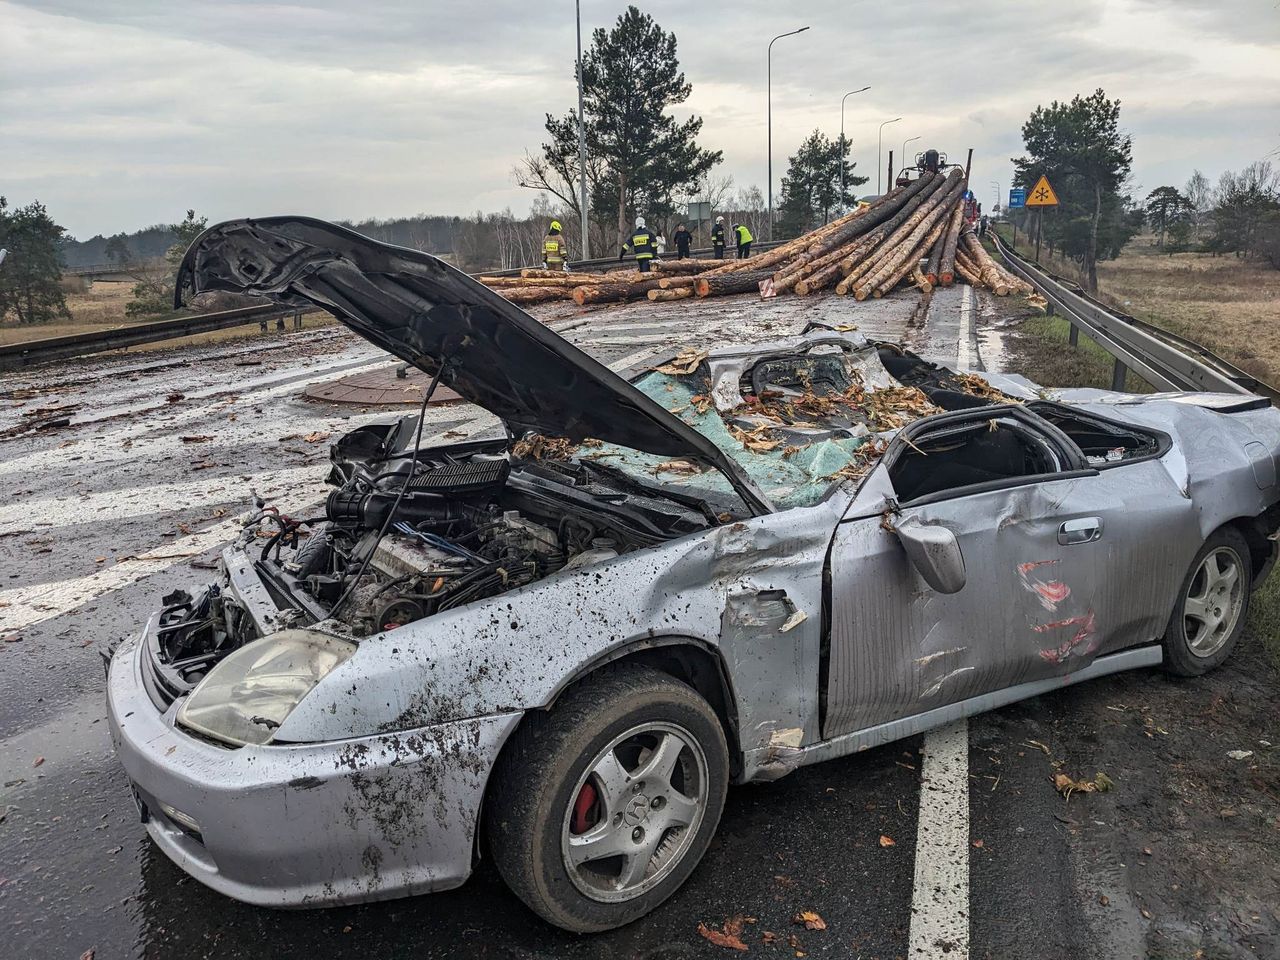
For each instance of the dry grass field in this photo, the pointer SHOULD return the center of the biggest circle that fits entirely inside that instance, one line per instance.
(1230, 306)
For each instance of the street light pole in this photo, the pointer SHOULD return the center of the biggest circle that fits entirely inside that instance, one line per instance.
(769, 110)
(902, 163)
(842, 100)
(582, 142)
(879, 142)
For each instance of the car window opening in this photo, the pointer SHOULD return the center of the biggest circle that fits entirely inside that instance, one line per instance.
(1101, 442)
(983, 452)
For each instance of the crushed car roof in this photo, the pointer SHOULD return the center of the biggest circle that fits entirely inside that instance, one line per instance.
(426, 312)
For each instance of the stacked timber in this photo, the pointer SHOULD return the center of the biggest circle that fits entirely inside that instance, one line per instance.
(915, 235)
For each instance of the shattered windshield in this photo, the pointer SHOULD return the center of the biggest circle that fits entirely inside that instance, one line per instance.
(812, 426)
(797, 423)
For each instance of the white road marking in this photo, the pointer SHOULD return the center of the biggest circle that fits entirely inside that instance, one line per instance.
(940, 898)
(964, 349)
(653, 339)
(22, 607)
(123, 504)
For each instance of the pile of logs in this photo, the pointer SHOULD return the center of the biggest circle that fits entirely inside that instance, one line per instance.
(915, 235)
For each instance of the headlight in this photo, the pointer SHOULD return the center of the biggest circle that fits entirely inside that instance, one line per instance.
(250, 693)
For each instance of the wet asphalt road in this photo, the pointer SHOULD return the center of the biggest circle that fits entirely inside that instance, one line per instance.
(1048, 877)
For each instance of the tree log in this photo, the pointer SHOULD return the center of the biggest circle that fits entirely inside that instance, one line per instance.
(963, 271)
(680, 293)
(718, 285)
(884, 209)
(982, 260)
(612, 292)
(907, 238)
(946, 268)
(539, 272)
(912, 261)
(857, 262)
(689, 265)
(935, 258)
(812, 272)
(527, 295)
(674, 283)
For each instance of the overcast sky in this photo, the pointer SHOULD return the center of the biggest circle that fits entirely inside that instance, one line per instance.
(118, 115)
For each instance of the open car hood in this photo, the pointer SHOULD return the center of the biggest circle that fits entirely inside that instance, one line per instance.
(424, 311)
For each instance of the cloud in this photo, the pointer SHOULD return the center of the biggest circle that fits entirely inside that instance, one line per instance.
(118, 114)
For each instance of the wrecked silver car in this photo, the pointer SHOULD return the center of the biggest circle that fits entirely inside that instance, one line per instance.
(560, 646)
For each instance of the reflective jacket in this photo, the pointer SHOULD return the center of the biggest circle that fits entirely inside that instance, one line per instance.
(743, 234)
(717, 235)
(553, 250)
(641, 244)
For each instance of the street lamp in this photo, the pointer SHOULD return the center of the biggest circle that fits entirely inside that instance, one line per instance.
(842, 100)
(582, 142)
(879, 140)
(769, 98)
(902, 161)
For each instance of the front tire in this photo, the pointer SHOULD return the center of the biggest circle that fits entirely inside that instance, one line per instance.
(602, 808)
(1212, 606)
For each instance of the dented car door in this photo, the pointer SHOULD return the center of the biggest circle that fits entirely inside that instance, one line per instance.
(1058, 568)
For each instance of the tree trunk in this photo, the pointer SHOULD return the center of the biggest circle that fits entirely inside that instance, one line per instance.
(622, 208)
(527, 295)
(904, 242)
(935, 256)
(680, 293)
(946, 268)
(718, 285)
(612, 292)
(675, 283)
(690, 265)
(1091, 257)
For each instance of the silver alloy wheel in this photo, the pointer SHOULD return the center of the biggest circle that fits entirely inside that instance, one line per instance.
(647, 791)
(1213, 603)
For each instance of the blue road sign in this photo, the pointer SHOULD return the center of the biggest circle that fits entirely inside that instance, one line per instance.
(1017, 197)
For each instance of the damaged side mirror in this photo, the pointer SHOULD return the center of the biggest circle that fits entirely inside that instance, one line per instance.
(934, 551)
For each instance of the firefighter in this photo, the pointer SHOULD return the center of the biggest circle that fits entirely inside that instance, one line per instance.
(554, 251)
(717, 239)
(742, 237)
(642, 246)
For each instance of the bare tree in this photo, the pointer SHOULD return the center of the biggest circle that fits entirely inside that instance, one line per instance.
(1200, 195)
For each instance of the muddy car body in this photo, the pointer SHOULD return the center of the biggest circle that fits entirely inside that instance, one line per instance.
(570, 639)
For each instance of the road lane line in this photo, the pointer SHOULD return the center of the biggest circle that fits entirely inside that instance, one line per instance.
(964, 348)
(124, 504)
(22, 607)
(940, 898)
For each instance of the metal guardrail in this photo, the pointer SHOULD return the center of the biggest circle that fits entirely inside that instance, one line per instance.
(1165, 360)
(18, 355)
(15, 356)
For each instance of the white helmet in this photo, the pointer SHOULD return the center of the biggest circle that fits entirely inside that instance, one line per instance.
(719, 219)
(639, 221)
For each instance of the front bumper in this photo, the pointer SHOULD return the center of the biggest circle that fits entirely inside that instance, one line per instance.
(296, 825)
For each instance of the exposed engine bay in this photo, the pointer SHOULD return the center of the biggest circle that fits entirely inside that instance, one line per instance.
(472, 522)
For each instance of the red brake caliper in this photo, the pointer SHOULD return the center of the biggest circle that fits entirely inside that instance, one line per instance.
(583, 807)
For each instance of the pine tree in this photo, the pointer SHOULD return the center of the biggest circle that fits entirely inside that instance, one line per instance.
(31, 271)
(811, 187)
(639, 156)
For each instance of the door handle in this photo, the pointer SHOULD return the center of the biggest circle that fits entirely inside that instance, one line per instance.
(1080, 530)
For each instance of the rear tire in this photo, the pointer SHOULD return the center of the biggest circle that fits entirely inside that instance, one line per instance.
(601, 809)
(1212, 606)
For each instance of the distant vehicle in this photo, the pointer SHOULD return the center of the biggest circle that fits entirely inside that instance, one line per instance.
(566, 642)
